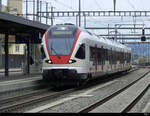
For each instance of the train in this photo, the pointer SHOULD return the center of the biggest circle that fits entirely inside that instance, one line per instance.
(72, 55)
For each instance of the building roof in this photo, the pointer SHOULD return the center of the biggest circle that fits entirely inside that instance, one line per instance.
(14, 24)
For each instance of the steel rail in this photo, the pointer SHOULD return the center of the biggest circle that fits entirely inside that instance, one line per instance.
(93, 84)
(30, 94)
(132, 104)
(98, 103)
(28, 102)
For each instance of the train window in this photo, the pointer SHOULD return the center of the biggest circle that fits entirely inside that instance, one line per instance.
(81, 52)
(64, 31)
(106, 54)
(99, 56)
(122, 58)
(113, 57)
(118, 57)
(128, 57)
(103, 56)
(92, 55)
(110, 56)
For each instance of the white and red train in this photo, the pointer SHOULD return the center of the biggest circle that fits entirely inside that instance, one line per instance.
(73, 55)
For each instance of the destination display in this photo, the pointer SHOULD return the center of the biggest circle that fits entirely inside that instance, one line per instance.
(62, 33)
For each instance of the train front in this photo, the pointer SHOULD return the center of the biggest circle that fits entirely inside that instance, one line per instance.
(60, 63)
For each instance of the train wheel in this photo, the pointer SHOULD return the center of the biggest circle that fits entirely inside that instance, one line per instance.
(83, 81)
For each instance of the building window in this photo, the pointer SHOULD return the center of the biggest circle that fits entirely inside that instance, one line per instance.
(17, 48)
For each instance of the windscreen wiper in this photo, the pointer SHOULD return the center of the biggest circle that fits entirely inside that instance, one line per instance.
(55, 52)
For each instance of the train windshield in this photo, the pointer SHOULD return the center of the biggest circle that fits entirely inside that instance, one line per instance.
(61, 39)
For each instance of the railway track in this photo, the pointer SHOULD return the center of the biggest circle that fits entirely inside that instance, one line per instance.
(106, 79)
(10, 104)
(32, 98)
(128, 108)
(24, 96)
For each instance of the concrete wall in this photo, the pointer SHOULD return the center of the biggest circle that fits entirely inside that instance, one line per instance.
(4, 9)
(12, 46)
(12, 49)
(14, 6)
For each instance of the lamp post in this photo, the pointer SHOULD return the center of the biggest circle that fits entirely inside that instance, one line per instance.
(114, 5)
(79, 13)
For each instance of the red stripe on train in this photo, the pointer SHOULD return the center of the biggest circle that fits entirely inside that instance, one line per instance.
(47, 44)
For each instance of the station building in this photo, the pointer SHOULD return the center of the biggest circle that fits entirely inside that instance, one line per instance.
(17, 52)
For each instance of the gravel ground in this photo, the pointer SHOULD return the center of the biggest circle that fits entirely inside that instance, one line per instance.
(83, 101)
(138, 108)
(20, 92)
(33, 83)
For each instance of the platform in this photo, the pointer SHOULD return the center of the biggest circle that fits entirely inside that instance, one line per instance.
(19, 82)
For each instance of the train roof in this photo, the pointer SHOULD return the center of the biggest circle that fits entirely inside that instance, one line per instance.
(109, 42)
(104, 40)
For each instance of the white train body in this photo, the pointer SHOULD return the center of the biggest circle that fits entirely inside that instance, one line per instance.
(71, 53)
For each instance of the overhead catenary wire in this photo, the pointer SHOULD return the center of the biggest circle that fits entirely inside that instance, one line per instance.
(131, 5)
(65, 5)
(98, 5)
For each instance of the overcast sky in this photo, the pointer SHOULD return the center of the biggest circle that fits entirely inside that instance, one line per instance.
(102, 5)
(99, 4)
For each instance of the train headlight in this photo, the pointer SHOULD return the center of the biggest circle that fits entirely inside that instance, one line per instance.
(48, 61)
(71, 61)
